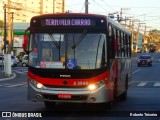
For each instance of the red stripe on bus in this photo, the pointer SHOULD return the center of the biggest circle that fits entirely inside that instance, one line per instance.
(70, 82)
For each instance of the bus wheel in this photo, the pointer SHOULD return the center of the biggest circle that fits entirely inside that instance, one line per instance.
(123, 96)
(109, 105)
(49, 105)
(106, 105)
(115, 91)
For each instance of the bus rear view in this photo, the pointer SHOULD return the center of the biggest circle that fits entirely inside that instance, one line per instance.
(69, 60)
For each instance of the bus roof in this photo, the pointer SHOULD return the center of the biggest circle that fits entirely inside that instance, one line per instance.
(118, 25)
(70, 14)
(84, 15)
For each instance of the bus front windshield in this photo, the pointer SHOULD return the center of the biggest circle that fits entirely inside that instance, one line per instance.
(68, 50)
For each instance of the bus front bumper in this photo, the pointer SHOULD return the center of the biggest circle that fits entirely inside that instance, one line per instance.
(77, 95)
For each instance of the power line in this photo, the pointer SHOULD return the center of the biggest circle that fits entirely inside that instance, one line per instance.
(109, 6)
(82, 7)
(100, 5)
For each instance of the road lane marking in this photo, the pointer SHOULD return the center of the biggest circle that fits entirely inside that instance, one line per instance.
(25, 85)
(157, 84)
(23, 72)
(16, 85)
(142, 84)
(154, 55)
(135, 71)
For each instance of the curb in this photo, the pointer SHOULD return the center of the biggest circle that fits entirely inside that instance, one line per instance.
(4, 79)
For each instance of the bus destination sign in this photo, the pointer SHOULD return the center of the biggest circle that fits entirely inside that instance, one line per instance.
(68, 22)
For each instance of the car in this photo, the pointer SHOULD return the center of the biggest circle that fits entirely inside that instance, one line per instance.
(25, 61)
(14, 61)
(1, 61)
(144, 60)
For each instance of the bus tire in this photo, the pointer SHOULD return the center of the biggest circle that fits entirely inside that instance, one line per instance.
(49, 105)
(115, 91)
(109, 105)
(106, 105)
(123, 96)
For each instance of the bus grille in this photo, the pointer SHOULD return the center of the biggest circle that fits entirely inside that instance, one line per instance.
(52, 86)
(55, 97)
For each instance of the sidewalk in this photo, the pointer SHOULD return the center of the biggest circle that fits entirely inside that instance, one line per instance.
(3, 77)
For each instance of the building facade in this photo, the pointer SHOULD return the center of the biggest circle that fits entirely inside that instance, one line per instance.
(22, 11)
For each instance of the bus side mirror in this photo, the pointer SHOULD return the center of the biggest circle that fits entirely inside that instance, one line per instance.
(25, 41)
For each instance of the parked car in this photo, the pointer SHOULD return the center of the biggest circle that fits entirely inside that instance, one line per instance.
(144, 60)
(1, 60)
(25, 61)
(14, 60)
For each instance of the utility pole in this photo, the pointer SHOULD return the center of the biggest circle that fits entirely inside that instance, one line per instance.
(86, 6)
(121, 14)
(9, 28)
(7, 56)
(137, 36)
(5, 32)
(54, 6)
(132, 28)
(146, 40)
(143, 41)
(41, 7)
(63, 6)
(12, 32)
(5, 37)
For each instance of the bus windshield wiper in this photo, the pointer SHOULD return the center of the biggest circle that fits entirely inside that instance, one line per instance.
(80, 39)
(54, 41)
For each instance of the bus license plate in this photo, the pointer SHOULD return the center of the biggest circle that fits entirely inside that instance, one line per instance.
(64, 96)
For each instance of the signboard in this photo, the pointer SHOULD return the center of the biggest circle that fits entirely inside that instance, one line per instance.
(56, 37)
(45, 64)
(68, 22)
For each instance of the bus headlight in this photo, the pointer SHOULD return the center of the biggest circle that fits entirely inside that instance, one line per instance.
(92, 87)
(39, 85)
(36, 84)
(97, 84)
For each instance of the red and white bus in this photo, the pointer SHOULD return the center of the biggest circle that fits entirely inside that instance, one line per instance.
(80, 58)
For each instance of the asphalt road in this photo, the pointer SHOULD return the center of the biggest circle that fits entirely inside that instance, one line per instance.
(143, 97)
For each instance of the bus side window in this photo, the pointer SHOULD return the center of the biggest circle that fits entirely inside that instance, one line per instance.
(111, 42)
(122, 45)
(129, 46)
(115, 43)
(119, 44)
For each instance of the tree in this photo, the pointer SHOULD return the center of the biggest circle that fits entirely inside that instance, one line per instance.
(154, 38)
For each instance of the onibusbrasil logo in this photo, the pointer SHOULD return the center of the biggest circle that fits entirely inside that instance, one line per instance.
(21, 114)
